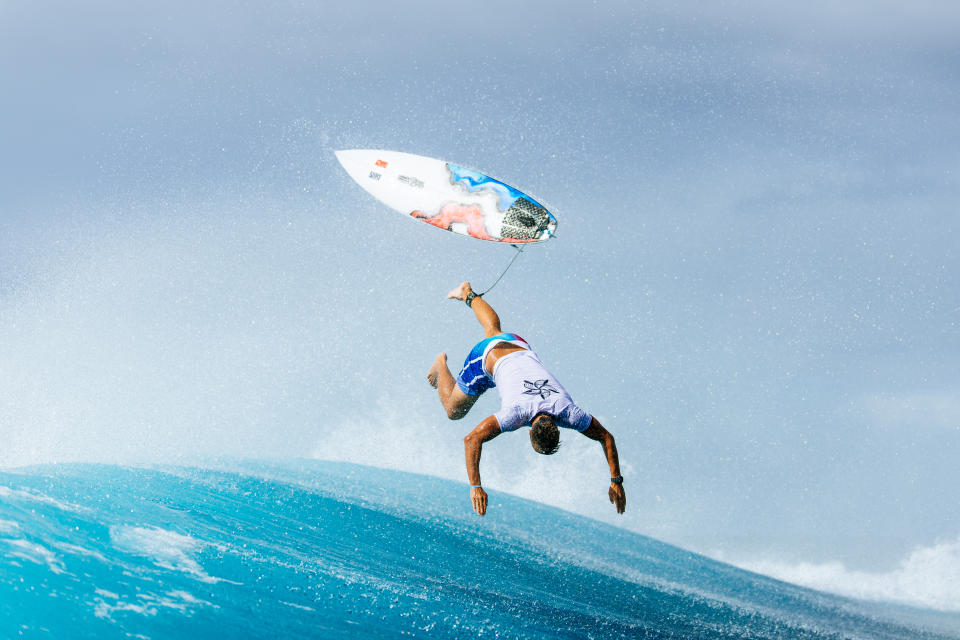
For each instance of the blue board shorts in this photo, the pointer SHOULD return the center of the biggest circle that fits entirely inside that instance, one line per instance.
(473, 379)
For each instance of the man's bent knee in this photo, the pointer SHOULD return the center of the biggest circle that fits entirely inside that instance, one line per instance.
(458, 404)
(455, 413)
(459, 408)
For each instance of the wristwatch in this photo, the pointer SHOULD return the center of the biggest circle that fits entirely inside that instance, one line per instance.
(617, 480)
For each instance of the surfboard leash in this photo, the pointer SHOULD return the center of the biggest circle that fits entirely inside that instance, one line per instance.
(507, 268)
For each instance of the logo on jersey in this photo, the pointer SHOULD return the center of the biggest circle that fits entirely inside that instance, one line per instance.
(538, 388)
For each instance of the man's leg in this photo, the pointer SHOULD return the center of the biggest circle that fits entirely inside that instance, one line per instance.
(485, 314)
(456, 402)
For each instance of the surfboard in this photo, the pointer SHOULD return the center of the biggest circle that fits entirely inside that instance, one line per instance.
(449, 196)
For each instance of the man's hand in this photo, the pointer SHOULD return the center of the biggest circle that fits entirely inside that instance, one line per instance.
(479, 497)
(617, 497)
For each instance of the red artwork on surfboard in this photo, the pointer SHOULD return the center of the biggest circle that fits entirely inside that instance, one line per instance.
(470, 215)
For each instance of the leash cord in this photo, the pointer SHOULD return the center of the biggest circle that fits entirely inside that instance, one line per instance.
(502, 273)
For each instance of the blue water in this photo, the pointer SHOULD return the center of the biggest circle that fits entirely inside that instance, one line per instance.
(330, 550)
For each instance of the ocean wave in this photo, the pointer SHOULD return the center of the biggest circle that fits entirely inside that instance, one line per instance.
(321, 549)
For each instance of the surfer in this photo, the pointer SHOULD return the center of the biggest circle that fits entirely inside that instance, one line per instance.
(529, 395)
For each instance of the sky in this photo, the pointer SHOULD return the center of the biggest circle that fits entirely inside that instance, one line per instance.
(754, 283)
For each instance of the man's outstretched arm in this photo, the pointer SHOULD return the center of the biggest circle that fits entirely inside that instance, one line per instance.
(616, 494)
(485, 314)
(472, 444)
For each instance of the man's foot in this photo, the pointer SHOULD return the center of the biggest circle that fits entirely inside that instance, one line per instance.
(460, 293)
(434, 373)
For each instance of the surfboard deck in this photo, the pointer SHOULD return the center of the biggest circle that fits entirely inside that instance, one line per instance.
(449, 196)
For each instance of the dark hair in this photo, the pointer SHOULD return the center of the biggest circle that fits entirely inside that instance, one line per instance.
(545, 434)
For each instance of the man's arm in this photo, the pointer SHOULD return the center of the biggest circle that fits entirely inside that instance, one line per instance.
(472, 444)
(596, 432)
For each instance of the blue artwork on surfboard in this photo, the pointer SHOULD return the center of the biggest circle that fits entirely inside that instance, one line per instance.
(476, 181)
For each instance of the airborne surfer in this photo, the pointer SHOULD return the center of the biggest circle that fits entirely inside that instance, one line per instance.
(529, 395)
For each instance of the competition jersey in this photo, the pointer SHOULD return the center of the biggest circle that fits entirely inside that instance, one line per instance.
(527, 388)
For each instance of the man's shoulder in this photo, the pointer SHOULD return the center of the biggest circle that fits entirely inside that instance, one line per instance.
(573, 417)
(513, 417)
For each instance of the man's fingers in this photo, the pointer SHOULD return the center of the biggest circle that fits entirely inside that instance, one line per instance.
(479, 498)
(618, 498)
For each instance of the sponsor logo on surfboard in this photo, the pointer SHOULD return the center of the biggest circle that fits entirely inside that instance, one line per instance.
(413, 182)
(382, 164)
(374, 175)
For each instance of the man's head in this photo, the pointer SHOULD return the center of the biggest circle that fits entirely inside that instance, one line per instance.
(544, 434)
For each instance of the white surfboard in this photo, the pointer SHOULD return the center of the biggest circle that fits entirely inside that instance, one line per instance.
(449, 196)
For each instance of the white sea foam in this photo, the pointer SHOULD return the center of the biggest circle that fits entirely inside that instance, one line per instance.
(32, 496)
(105, 610)
(76, 550)
(9, 527)
(167, 549)
(146, 604)
(26, 550)
(927, 577)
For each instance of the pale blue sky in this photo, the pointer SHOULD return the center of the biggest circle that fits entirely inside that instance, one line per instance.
(755, 281)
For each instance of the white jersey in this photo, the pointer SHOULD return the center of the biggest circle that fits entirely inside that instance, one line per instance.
(527, 388)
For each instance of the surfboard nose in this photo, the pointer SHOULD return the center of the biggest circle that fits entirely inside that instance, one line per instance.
(551, 227)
